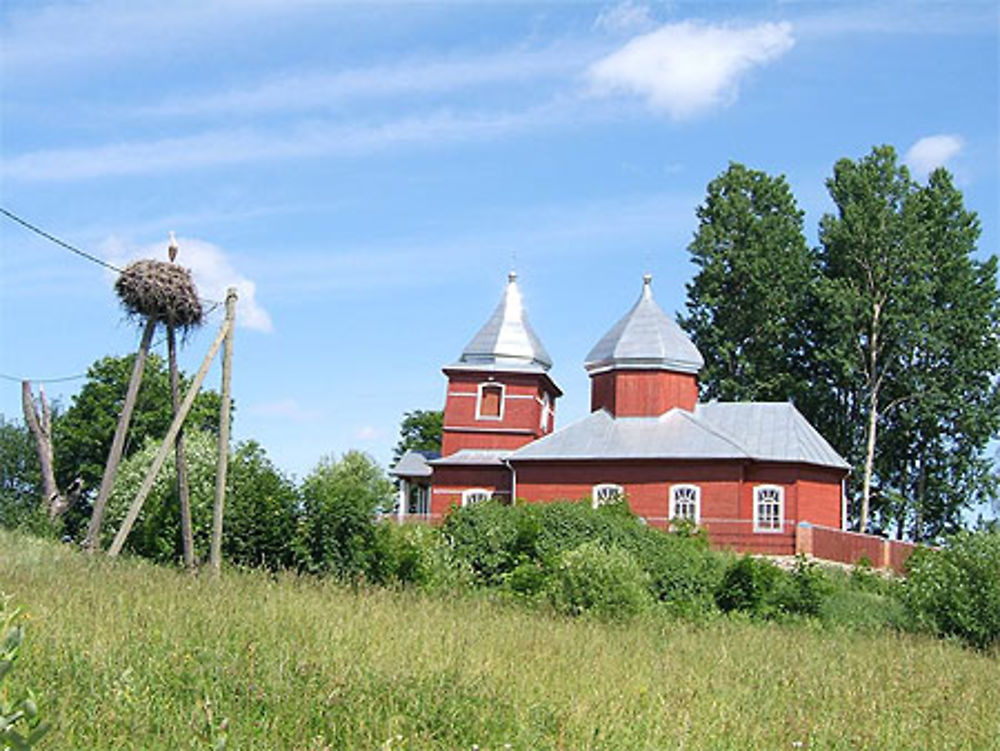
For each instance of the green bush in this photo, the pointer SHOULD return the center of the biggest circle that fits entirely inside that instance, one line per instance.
(955, 590)
(804, 590)
(262, 513)
(607, 582)
(518, 546)
(415, 555)
(340, 500)
(748, 585)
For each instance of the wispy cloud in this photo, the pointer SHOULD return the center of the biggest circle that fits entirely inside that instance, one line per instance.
(626, 17)
(324, 90)
(213, 271)
(317, 139)
(285, 409)
(74, 35)
(931, 152)
(687, 68)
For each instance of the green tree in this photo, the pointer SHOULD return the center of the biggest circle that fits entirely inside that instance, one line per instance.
(420, 430)
(872, 266)
(157, 531)
(748, 303)
(906, 339)
(340, 502)
(83, 434)
(945, 396)
(262, 512)
(20, 477)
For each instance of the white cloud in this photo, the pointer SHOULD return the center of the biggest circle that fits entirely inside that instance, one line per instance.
(324, 90)
(627, 17)
(367, 433)
(318, 139)
(686, 68)
(213, 273)
(286, 409)
(931, 152)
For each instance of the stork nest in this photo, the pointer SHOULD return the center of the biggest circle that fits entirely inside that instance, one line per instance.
(160, 291)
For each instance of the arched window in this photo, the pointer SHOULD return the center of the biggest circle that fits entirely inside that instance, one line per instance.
(685, 502)
(606, 493)
(768, 508)
(475, 495)
(489, 405)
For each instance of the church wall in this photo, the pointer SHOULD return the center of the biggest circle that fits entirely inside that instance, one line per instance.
(642, 393)
(449, 482)
(520, 420)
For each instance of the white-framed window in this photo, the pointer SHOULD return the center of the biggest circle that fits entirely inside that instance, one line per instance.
(606, 492)
(489, 401)
(685, 502)
(419, 500)
(768, 508)
(546, 413)
(475, 495)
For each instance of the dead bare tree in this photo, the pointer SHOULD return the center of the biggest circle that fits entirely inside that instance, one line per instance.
(39, 422)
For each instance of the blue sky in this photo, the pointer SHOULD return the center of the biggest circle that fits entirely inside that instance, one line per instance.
(366, 174)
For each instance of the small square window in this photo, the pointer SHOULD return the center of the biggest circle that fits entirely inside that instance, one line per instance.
(490, 401)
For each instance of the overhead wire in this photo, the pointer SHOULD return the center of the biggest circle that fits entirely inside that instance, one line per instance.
(213, 304)
(73, 249)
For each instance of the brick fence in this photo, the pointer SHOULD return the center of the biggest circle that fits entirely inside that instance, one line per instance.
(830, 544)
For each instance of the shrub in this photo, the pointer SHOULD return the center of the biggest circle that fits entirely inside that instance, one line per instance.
(340, 500)
(804, 590)
(748, 585)
(20, 725)
(415, 555)
(491, 538)
(955, 591)
(607, 582)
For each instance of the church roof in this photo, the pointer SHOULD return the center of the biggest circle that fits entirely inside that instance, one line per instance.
(474, 457)
(772, 431)
(414, 464)
(507, 340)
(645, 338)
(750, 431)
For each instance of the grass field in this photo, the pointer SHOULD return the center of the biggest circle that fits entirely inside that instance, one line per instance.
(128, 655)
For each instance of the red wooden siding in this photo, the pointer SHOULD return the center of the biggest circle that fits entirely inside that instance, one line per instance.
(642, 393)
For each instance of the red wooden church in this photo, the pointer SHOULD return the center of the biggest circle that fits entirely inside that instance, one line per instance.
(757, 476)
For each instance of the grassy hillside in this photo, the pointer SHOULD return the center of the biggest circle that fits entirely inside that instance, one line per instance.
(128, 655)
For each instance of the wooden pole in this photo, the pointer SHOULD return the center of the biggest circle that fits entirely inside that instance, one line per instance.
(168, 442)
(224, 410)
(183, 493)
(93, 539)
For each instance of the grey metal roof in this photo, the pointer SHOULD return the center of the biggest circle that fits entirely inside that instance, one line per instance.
(676, 434)
(771, 431)
(507, 338)
(754, 431)
(474, 457)
(645, 338)
(414, 464)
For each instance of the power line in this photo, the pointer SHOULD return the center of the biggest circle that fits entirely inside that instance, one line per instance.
(83, 253)
(57, 241)
(61, 379)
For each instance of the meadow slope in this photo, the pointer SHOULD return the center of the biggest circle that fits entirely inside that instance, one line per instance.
(128, 655)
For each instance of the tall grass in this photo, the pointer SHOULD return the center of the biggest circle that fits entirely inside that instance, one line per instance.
(131, 656)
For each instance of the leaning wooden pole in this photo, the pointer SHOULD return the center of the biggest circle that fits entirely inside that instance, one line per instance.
(224, 410)
(168, 442)
(183, 493)
(93, 540)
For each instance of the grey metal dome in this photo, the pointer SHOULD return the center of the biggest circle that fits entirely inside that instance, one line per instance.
(507, 339)
(645, 338)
